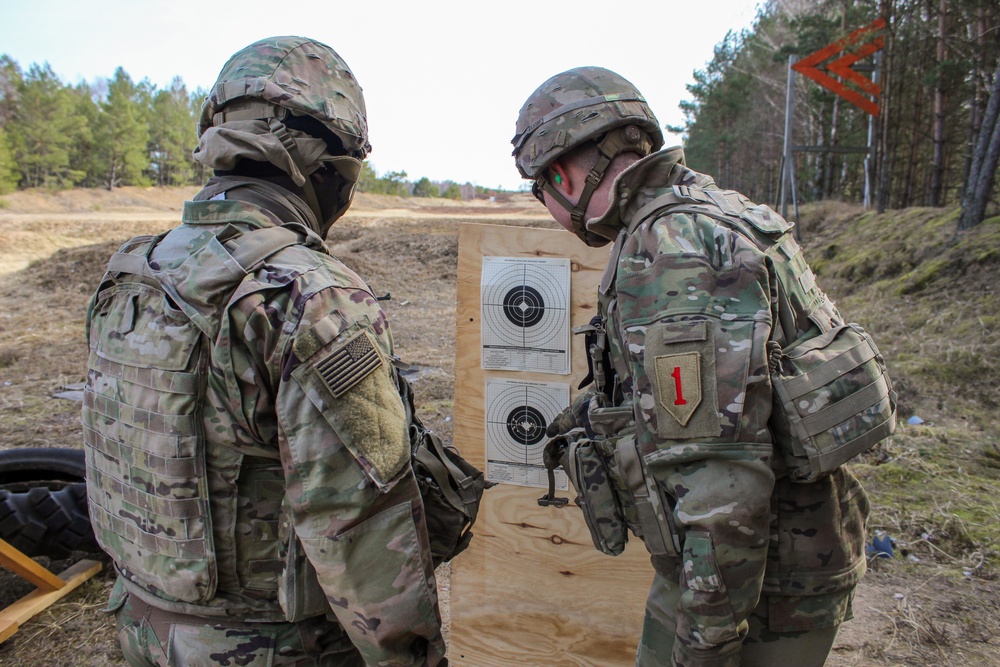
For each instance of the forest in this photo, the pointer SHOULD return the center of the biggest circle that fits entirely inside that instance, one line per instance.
(936, 131)
(115, 132)
(935, 141)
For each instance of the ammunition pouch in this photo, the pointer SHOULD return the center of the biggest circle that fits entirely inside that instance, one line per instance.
(588, 470)
(648, 510)
(833, 400)
(614, 490)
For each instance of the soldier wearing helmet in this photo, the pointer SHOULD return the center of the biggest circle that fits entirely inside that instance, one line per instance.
(750, 568)
(247, 446)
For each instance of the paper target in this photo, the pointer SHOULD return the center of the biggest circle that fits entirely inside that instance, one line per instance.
(525, 314)
(517, 413)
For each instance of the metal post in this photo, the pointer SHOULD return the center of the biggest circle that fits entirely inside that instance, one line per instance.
(871, 140)
(788, 169)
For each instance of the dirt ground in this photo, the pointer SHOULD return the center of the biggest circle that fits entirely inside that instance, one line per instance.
(52, 249)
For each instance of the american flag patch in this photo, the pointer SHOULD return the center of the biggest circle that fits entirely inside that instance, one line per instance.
(348, 364)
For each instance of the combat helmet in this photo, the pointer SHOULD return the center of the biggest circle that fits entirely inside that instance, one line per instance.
(575, 107)
(280, 80)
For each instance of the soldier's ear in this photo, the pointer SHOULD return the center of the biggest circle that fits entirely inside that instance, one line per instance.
(560, 177)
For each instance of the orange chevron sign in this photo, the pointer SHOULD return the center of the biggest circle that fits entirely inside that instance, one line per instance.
(859, 44)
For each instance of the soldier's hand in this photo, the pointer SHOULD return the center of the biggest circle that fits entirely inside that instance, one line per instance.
(564, 422)
(557, 449)
(574, 416)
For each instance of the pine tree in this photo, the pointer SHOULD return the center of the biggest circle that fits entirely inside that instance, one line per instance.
(44, 128)
(83, 155)
(122, 134)
(8, 169)
(424, 188)
(172, 130)
(10, 82)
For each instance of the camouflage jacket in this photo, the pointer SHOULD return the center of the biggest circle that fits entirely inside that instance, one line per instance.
(313, 505)
(687, 311)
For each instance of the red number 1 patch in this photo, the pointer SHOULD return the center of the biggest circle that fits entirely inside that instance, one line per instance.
(678, 384)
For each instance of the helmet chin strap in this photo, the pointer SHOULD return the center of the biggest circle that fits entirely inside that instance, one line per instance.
(620, 140)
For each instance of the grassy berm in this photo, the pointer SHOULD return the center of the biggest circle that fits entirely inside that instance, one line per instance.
(928, 294)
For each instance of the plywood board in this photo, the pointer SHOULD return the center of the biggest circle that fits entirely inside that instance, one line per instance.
(532, 589)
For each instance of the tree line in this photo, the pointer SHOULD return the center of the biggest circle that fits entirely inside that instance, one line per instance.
(935, 142)
(115, 132)
(396, 183)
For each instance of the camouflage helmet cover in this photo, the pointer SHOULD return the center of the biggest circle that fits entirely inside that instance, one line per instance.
(572, 108)
(300, 75)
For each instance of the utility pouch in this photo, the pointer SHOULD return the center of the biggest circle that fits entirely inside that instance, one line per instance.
(833, 400)
(299, 592)
(451, 487)
(611, 421)
(588, 471)
(654, 517)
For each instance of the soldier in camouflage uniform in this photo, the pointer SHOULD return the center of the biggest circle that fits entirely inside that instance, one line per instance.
(247, 448)
(750, 568)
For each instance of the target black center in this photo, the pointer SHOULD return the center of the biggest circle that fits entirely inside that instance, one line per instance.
(523, 306)
(526, 425)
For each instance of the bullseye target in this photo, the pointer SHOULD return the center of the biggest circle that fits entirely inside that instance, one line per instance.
(526, 425)
(524, 306)
(525, 314)
(517, 413)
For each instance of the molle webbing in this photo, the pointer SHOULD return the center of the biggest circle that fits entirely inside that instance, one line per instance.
(833, 400)
(143, 418)
(249, 251)
(146, 479)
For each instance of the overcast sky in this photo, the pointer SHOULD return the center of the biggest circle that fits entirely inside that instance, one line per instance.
(443, 79)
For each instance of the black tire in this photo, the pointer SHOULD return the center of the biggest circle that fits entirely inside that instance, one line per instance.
(43, 502)
(27, 467)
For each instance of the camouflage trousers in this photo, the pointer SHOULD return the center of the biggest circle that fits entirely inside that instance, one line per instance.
(762, 647)
(152, 637)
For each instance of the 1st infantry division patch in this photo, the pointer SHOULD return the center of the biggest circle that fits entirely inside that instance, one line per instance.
(678, 378)
(350, 363)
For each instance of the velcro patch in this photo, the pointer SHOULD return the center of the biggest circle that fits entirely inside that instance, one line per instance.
(678, 379)
(807, 280)
(350, 363)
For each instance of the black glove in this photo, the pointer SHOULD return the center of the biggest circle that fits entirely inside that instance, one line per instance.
(575, 416)
(555, 452)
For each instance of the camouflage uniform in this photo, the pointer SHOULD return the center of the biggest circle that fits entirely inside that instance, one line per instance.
(749, 531)
(278, 523)
(759, 569)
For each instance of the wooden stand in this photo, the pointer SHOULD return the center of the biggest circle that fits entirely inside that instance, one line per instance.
(532, 589)
(50, 587)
